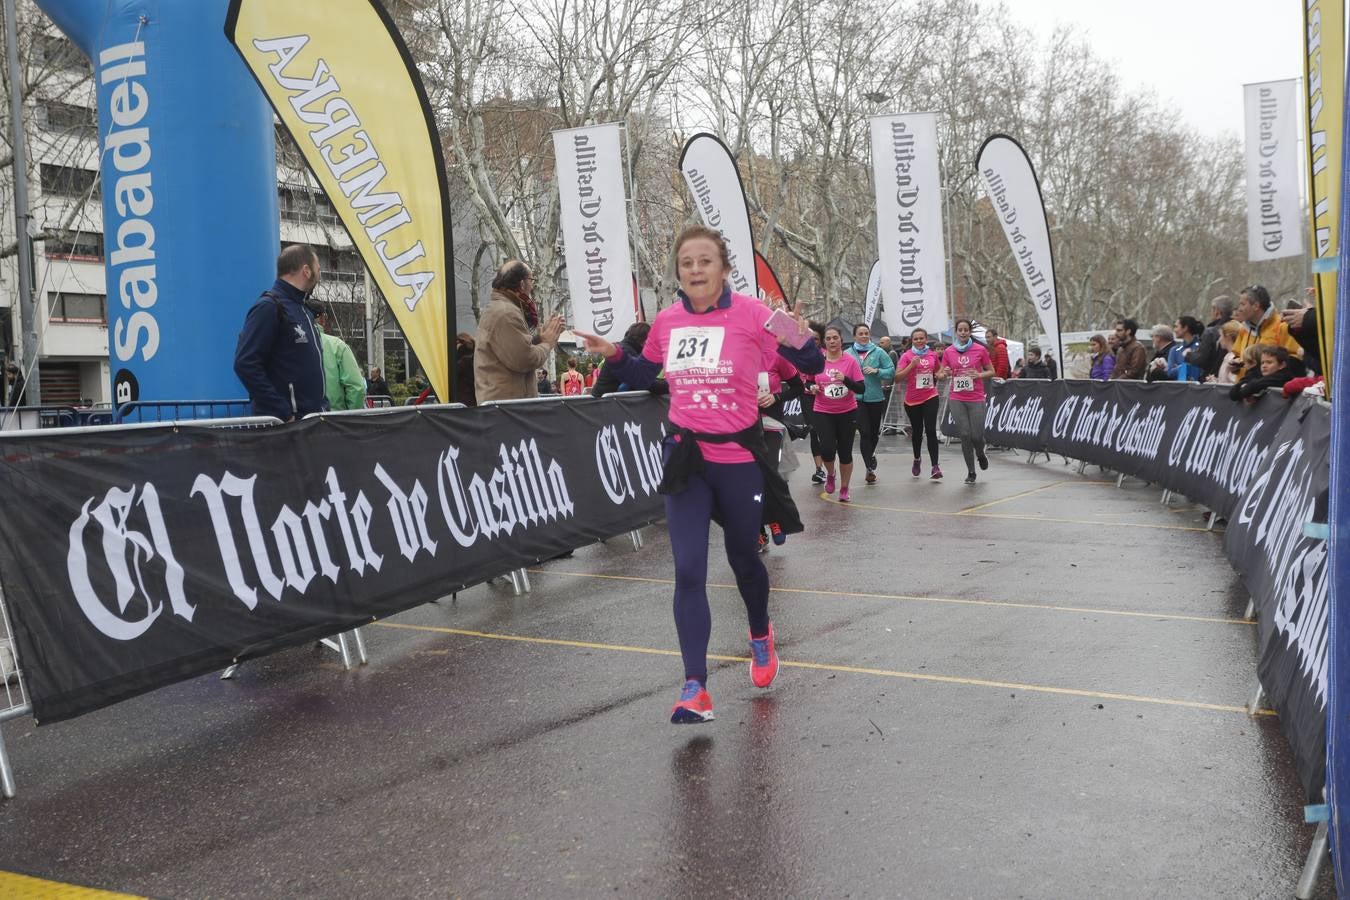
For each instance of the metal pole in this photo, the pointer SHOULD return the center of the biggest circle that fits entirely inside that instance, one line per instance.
(1312, 867)
(370, 324)
(947, 226)
(27, 310)
(633, 223)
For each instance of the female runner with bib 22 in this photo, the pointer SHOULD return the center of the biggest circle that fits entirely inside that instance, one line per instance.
(711, 343)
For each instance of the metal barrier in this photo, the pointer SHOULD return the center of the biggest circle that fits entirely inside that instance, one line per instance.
(31, 418)
(163, 411)
(14, 698)
(378, 401)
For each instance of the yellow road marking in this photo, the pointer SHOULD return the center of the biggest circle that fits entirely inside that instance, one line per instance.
(971, 509)
(960, 601)
(980, 515)
(25, 887)
(831, 667)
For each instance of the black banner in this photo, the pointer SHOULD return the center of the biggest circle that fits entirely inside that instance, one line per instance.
(131, 559)
(1265, 467)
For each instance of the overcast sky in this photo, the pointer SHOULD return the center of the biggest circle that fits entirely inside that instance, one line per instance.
(1194, 55)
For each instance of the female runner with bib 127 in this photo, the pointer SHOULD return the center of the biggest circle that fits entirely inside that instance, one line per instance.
(967, 364)
(712, 343)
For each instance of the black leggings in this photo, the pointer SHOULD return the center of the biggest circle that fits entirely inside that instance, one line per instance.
(869, 429)
(809, 406)
(923, 418)
(836, 436)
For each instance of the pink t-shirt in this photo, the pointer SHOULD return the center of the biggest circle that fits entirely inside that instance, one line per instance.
(924, 373)
(779, 369)
(837, 398)
(966, 367)
(712, 363)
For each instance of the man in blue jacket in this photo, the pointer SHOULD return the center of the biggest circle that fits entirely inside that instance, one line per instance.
(279, 358)
(1188, 331)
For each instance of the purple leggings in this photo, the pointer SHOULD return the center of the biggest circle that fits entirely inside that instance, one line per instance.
(734, 491)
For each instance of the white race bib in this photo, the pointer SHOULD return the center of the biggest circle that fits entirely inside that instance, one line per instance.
(836, 391)
(694, 347)
(963, 384)
(923, 381)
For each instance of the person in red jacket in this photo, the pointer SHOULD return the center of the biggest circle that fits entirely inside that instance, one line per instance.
(998, 353)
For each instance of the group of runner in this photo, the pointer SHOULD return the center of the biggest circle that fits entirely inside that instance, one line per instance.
(724, 367)
(847, 399)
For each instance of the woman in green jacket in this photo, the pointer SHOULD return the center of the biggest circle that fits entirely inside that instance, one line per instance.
(877, 367)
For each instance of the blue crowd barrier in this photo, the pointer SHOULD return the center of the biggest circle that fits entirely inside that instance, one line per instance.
(27, 418)
(178, 410)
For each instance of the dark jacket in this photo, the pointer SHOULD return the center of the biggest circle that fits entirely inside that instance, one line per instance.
(1306, 335)
(607, 381)
(684, 457)
(1209, 355)
(1153, 373)
(464, 385)
(1256, 382)
(1037, 371)
(279, 358)
(16, 391)
(1130, 361)
(378, 387)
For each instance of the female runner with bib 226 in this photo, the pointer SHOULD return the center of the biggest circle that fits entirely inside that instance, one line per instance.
(967, 364)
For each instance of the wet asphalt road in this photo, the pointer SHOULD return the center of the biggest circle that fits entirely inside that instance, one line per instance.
(1029, 687)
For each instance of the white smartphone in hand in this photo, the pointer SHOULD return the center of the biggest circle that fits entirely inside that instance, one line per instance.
(782, 325)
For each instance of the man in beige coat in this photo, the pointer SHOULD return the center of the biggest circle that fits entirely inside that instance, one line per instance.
(507, 356)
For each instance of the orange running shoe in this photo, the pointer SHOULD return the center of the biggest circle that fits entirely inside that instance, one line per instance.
(763, 659)
(695, 705)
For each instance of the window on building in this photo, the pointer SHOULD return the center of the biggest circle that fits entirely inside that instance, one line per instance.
(339, 265)
(68, 119)
(85, 245)
(301, 205)
(58, 52)
(88, 309)
(68, 181)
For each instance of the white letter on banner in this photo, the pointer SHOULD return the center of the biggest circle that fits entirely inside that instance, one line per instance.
(242, 488)
(409, 515)
(118, 543)
(459, 520)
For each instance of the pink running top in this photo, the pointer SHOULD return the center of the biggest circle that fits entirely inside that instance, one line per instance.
(835, 398)
(779, 369)
(921, 382)
(712, 362)
(965, 369)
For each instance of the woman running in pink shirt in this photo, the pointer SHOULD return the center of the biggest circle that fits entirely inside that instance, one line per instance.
(918, 369)
(711, 344)
(967, 364)
(836, 410)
